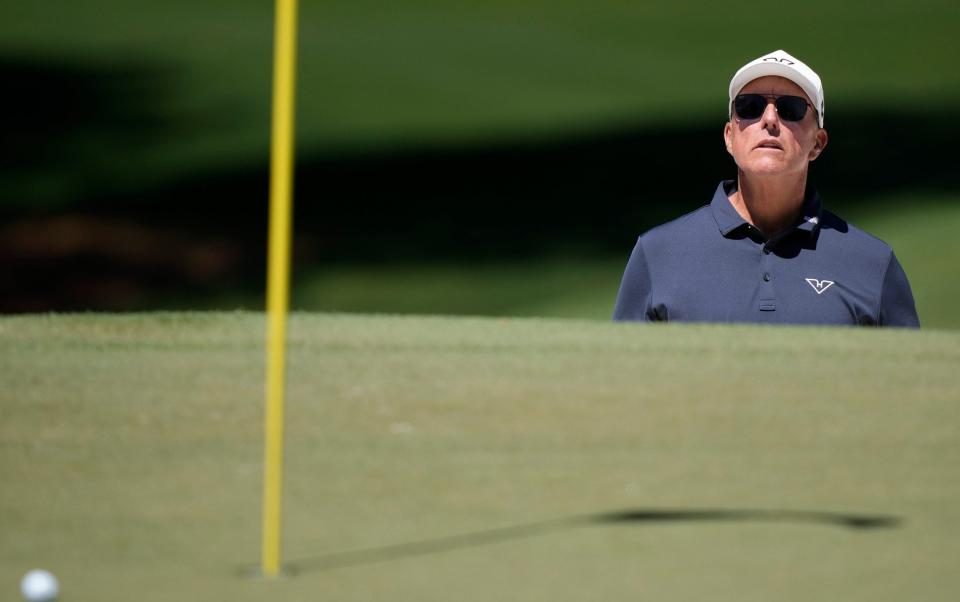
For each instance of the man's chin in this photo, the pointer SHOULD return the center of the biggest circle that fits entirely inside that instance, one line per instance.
(768, 169)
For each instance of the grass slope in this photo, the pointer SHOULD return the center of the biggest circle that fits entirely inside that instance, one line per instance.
(433, 71)
(430, 67)
(440, 458)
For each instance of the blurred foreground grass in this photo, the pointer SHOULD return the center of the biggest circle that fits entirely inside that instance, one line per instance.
(424, 454)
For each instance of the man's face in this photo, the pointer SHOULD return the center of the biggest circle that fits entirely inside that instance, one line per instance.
(768, 145)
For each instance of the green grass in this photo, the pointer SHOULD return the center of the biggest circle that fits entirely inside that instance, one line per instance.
(452, 74)
(552, 286)
(919, 228)
(435, 72)
(131, 458)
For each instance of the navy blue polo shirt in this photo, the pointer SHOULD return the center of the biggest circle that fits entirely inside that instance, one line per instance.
(713, 266)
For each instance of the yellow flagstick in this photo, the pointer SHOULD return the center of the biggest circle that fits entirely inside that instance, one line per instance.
(278, 276)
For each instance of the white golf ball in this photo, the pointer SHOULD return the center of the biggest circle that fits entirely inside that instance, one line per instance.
(39, 586)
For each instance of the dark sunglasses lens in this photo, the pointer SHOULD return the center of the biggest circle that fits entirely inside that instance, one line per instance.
(749, 106)
(791, 108)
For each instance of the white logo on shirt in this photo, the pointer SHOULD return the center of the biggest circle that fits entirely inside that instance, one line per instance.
(819, 285)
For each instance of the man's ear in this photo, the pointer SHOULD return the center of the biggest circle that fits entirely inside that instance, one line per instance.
(820, 143)
(727, 129)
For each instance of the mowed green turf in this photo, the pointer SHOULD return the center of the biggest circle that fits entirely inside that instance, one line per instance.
(438, 72)
(439, 458)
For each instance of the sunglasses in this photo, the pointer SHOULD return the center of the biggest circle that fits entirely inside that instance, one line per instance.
(752, 106)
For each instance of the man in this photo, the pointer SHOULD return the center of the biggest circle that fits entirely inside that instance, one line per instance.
(764, 250)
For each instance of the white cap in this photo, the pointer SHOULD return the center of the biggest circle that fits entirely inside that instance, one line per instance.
(780, 63)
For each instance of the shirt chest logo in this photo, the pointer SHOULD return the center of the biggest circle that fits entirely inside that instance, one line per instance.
(819, 285)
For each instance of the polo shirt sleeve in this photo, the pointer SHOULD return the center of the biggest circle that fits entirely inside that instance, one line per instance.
(634, 297)
(896, 300)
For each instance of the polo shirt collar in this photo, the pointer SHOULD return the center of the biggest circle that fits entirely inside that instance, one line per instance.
(811, 212)
(729, 220)
(727, 217)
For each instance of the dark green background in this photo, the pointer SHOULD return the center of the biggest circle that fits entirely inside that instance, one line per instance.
(464, 157)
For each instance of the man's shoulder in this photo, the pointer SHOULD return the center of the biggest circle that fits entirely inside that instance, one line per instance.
(835, 229)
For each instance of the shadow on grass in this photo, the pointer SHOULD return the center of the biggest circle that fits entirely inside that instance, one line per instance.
(856, 522)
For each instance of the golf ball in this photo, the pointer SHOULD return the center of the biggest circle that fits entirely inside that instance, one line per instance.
(39, 586)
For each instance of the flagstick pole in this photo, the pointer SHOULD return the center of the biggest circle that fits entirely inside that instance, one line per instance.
(278, 276)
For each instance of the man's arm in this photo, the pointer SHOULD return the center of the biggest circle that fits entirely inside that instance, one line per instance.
(633, 299)
(896, 300)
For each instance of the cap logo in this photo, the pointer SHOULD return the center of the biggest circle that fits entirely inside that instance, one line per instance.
(778, 60)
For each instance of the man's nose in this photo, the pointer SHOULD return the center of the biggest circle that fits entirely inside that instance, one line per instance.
(770, 119)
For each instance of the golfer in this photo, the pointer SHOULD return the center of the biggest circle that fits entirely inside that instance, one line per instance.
(764, 250)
